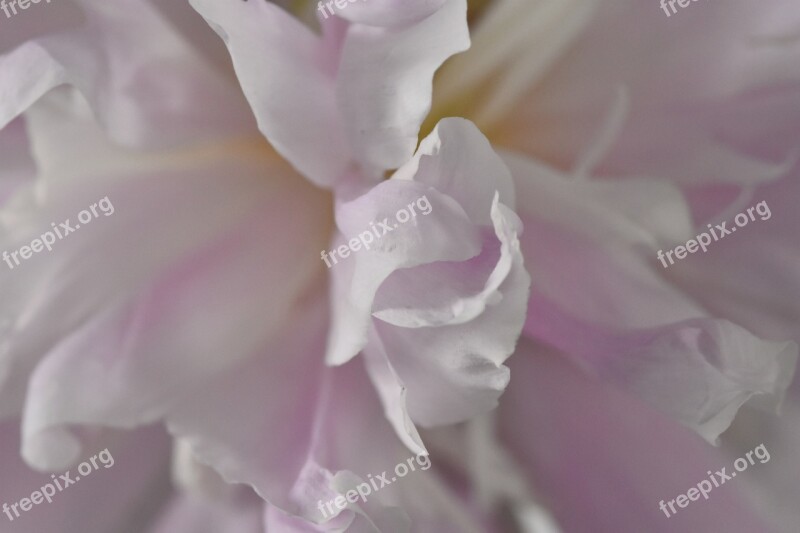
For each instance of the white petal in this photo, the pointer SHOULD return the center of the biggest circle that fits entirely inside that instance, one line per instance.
(281, 66)
(385, 82)
(388, 13)
(445, 234)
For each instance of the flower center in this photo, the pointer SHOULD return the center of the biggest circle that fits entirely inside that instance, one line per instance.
(514, 44)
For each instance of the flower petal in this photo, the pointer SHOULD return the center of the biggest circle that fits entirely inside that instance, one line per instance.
(18, 167)
(170, 332)
(388, 13)
(691, 90)
(191, 210)
(458, 160)
(385, 81)
(145, 92)
(699, 371)
(187, 513)
(279, 63)
(602, 302)
(453, 372)
(109, 499)
(448, 293)
(444, 234)
(754, 278)
(599, 437)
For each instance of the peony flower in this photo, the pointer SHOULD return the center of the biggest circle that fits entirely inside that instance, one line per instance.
(202, 304)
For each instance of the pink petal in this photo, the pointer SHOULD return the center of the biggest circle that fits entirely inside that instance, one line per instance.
(752, 277)
(144, 92)
(117, 498)
(157, 334)
(600, 438)
(699, 78)
(699, 371)
(606, 305)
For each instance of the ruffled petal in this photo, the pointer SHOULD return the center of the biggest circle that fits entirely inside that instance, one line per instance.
(152, 92)
(454, 371)
(699, 371)
(458, 160)
(444, 234)
(601, 301)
